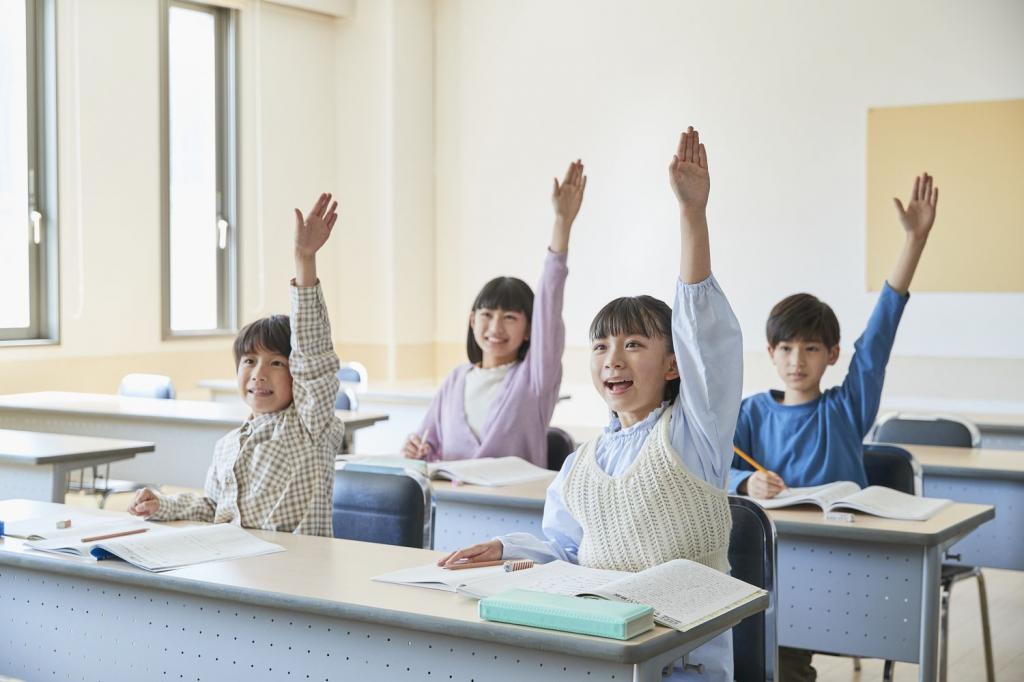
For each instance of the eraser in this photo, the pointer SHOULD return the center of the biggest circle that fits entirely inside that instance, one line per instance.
(842, 517)
(61, 525)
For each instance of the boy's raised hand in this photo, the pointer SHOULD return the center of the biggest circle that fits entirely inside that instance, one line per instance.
(688, 171)
(919, 215)
(567, 198)
(313, 231)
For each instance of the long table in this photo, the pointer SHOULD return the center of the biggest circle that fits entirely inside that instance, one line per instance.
(311, 612)
(184, 431)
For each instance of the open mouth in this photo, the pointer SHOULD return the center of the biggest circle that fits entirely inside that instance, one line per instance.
(260, 392)
(618, 386)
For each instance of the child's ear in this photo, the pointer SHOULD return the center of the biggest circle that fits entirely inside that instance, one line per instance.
(833, 354)
(771, 352)
(673, 369)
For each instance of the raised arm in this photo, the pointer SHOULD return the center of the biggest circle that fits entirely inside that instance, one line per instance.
(917, 220)
(313, 362)
(567, 198)
(691, 182)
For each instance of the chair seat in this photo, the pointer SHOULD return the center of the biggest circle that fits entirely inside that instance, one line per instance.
(953, 572)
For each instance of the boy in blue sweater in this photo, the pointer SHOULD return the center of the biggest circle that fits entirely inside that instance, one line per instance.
(802, 435)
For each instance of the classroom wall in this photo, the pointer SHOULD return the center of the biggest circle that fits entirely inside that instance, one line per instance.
(780, 92)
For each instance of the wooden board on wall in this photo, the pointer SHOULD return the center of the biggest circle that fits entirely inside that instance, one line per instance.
(975, 150)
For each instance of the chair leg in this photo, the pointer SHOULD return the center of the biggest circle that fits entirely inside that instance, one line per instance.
(943, 633)
(887, 671)
(986, 633)
(856, 664)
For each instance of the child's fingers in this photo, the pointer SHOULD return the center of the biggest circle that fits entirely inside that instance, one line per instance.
(916, 194)
(703, 156)
(695, 147)
(317, 207)
(899, 205)
(299, 220)
(935, 197)
(444, 559)
(583, 186)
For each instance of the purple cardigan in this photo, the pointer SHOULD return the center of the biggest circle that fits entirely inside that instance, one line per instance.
(517, 422)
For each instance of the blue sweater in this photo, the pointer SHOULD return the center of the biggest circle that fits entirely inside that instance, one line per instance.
(820, 441)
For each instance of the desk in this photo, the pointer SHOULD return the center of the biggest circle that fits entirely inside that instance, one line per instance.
(870, 588)
(184, 431)
(467, 514)
(981, 476)
(311, 612)
(36, 465)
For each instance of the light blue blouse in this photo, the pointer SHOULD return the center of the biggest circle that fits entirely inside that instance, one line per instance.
(709, 351)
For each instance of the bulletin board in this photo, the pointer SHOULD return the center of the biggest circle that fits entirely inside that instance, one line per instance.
(975, 151)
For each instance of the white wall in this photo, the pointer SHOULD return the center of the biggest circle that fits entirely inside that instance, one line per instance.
(780, 92)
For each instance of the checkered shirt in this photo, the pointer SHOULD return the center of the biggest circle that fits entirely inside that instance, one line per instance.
(276, 471)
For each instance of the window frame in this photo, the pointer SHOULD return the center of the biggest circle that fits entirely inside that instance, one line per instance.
(228, 289)
(41, 135)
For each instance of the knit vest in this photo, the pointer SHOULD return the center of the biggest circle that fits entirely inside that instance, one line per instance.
(654, 512)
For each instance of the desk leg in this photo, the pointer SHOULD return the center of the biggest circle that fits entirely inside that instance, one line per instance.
(931, 573)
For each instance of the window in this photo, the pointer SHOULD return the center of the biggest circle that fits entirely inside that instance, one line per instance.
(200, 171)
(28, 227)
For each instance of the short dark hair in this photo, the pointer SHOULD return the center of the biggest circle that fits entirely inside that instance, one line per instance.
(505, 293)
(644, 315)
(802, 316)
(272, 333)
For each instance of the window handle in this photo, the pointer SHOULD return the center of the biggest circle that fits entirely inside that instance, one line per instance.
(37, 219)
(222, 234)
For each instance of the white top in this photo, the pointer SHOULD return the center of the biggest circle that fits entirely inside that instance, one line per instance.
(482, 387)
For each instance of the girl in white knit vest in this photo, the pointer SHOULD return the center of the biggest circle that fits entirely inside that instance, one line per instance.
(652, 487)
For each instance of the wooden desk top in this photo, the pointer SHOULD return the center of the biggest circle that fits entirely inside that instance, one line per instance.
(529, 495)
(126, 407)
(30, 447)
(950, 522)
(333, 577)
(968, 462)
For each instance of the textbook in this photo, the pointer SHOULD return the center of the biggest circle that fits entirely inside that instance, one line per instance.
(875, 499)
(153, 547)
(682, 593)
(598, 617)
(485, 471)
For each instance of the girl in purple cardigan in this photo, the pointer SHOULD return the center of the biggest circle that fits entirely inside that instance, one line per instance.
(500, 402)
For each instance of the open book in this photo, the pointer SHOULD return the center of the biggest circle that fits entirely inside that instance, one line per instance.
(158, 548)
(486, 471)
(875, 499)
(682, 593)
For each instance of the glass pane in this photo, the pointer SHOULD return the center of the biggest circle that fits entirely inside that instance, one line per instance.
(15, 310)
(192, 101)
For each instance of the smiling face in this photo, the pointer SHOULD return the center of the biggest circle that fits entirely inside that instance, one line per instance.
(801, 365)
(264, 381)
(630, 372)
(499, 334)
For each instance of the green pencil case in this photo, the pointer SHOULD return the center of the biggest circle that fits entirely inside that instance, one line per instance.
(598, 617)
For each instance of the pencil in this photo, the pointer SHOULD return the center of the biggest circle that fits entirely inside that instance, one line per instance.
(95, 538)
(474, 564)
(423, 441)
(748, 459)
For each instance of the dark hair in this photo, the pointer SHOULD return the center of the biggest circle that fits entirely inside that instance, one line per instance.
(804, 317)
(644, 315)
(506, 293)
(272, 333)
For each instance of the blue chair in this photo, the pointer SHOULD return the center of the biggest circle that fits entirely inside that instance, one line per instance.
(752, 556)
(346, 399)
(353, 375)
(387, 505)
(560, 446)
(954, 433)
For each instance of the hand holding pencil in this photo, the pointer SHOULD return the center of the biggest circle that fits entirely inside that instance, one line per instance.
(762, 484)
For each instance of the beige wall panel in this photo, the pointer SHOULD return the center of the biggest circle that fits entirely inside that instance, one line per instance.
(975, 150)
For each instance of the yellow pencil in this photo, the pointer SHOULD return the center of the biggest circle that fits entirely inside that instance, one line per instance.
(748, 459)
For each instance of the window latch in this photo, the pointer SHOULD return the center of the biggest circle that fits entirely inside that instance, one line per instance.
(37, 219)
(222, 234)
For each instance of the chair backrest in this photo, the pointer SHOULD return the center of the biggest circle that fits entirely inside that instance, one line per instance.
(387, 505)
(147, 386)
(927, 430)
(892, 467)
(560, 446)
(752, 556)
(346, 399)
(354, 375)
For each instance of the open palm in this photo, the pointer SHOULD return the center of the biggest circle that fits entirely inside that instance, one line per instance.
(313, 231)
(568, 196)
(688, 171)
(919, 215)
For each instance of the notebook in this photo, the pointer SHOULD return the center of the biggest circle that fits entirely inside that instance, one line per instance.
(583, 616)
(485, 471)
(875, 499)
(159, 548)
(683, 593)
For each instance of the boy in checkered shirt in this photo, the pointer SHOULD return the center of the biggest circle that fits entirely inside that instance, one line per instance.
(276, 471)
